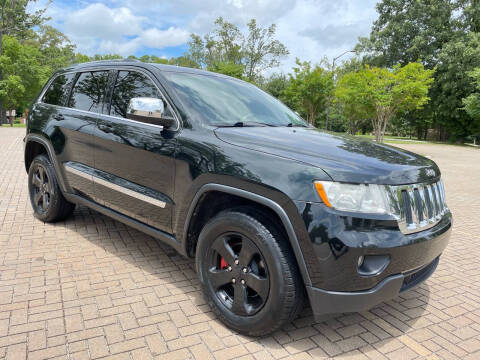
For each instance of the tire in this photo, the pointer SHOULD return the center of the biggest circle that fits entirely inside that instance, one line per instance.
(272, 293)
(47, 200)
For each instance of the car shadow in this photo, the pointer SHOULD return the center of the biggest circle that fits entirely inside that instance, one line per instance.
(173, 279)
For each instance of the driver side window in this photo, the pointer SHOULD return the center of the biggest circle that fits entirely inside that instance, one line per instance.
(132, 84)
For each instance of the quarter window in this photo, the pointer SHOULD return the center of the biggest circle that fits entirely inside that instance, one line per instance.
(57, 92)
(89, 91)
(132, 84)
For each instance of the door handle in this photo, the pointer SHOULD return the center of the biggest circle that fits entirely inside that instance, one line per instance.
(106, 128)
(59, 117)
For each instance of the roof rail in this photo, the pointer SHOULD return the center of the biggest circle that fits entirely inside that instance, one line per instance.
(112, 60)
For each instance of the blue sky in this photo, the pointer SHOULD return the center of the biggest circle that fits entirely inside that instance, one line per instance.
(311, 29)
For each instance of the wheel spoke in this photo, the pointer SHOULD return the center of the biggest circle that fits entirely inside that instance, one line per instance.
(42, 174)
(45, 201)
(36, 180)
(246, 253)
(37, 198)
(239, 300)
(48, 188)
(259, 284)
(218, 278)
(223, 248)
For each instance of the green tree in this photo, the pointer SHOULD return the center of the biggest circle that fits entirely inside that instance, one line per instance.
(56, 49)
(261, 50)
(452, 84)
(309, 89)
(11, 92)
(226, 48)
(442, 34)
(353, 97)
(407, 31)
(16, 21)
(471, 104)
(396, 91)
(23, 73)
(275, 85)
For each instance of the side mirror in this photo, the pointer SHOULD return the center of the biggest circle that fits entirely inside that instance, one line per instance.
(150, 111)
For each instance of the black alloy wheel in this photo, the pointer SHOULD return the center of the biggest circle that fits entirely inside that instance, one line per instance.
(41, 189)
(48, 202)
(248, 272)
(238, 274)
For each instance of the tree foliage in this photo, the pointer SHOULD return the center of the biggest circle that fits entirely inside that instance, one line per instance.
(23, 74)
(471, 104)
(379, 94)
(226, 49)
(442, 34)
(351, 94)
(309, 89)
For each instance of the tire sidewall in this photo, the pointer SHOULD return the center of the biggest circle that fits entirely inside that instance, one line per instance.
(268, 314)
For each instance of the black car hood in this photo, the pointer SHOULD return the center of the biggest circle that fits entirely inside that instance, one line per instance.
(343, 158)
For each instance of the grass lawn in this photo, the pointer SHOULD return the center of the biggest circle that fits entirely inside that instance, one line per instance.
(14, 125)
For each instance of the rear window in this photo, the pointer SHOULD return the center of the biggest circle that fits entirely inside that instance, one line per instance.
(57, 92)
(89, 91)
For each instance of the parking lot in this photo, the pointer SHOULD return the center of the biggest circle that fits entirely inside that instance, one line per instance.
(91, 287)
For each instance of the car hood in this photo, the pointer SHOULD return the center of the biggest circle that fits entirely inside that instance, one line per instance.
(343, 158)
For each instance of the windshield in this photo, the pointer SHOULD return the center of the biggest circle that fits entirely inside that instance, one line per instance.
(227, 102)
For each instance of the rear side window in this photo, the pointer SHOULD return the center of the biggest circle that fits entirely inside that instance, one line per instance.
(131, 84)
(89, 91)
(57, 92)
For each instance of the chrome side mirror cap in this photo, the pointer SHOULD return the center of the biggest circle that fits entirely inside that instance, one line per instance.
(144, 108)
(149, 110)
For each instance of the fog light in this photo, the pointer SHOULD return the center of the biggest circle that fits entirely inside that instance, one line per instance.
(372, 265)
(360, 261)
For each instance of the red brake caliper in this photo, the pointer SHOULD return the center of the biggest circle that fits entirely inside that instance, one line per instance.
(223, 263)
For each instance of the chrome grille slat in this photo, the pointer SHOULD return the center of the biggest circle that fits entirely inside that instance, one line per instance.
(429, 202)
(418, 206)
(438, 201)
(413, 205)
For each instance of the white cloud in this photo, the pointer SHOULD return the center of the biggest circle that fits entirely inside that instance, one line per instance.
(310, 29)
(97, 28)
(97, 20)
(173, 36)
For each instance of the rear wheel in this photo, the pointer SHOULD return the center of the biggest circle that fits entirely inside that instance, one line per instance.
(48, 202)
(248, 274)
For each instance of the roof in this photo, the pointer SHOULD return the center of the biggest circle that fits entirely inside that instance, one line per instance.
(151, 66)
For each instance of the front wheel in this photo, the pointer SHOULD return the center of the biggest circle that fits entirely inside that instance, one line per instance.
(248, 273)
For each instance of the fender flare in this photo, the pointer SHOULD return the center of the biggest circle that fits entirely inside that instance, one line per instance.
(51, 154)
(292, 237)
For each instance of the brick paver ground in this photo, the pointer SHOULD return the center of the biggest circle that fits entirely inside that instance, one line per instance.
(91, 287)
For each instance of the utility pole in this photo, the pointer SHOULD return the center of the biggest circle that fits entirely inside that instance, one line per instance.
(333, 72)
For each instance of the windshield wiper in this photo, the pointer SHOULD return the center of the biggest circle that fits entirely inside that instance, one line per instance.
(296, 125)
(247, 124)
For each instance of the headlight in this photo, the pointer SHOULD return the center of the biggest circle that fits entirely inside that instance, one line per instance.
(364, 198)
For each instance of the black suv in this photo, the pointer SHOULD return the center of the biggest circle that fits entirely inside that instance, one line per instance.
(271, 208)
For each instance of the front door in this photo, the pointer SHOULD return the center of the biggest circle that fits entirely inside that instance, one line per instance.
(134, 161)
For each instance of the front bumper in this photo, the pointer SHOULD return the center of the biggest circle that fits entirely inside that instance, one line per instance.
(332, 302)
(335, 244)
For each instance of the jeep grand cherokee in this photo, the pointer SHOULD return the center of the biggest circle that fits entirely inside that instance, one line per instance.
(272, 209)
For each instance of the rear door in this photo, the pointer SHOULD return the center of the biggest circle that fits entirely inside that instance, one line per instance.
(134, 160)
(77, 122)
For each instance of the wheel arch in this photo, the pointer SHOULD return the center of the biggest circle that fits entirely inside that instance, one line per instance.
(245, 198)
(35, 145)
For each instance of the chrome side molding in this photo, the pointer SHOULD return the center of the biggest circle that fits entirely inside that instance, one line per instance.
(121, 189)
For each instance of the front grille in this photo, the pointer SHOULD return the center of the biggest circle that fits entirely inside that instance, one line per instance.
(416, 277)
(418, 206)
